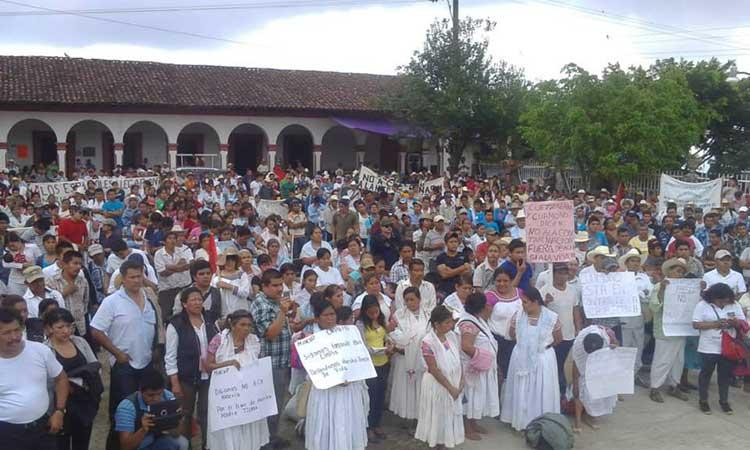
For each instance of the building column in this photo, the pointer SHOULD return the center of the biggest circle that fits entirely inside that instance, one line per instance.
(271, 157)
(119, 152)
(317, 154)
(360, 156)
(62, 150)
(3, 155)
(224, 155)
(401, 162)
(172, 152)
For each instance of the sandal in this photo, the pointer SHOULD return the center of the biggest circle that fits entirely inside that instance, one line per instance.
(656, 396)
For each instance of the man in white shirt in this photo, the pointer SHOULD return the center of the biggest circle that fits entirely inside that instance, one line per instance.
(24, 399)
(126, 325)
(173, 266)
(723, 273)
(37, 291)
(416, 279)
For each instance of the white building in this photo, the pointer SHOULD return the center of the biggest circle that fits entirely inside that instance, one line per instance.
(132, 114)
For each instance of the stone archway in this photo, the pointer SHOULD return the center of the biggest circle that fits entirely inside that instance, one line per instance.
(339, 150)
(90, 145)
(144, 142)
(31, 142)
(246, 144)
(198, 145)
(295, 143)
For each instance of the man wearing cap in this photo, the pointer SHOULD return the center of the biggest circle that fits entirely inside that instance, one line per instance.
(602, 261)
(97, 268)
(723, 273)
(386, 243)
(172, 263)
(37, 290)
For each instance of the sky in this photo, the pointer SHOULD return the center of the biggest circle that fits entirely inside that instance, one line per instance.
(378, 36)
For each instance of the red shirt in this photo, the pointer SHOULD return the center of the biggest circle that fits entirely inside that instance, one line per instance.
(72, 231)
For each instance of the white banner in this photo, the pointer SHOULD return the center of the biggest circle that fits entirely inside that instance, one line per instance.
(550, 232)
(426, 187)
(335, 356)
(609, 295)
(267, 207)
(237, 397)
(610, 372)
(704, 195)
(65, 189)
(369, 180)
(680, 298)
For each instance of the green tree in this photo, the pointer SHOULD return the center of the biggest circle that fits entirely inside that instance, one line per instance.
(725, 144)
(455, 91)
(615, 126)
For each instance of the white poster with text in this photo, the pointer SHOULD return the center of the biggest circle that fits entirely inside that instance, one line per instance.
(611, 372)
(609, 295)
(704, 195)
(238, 397)
(335, 356)
(680, 298)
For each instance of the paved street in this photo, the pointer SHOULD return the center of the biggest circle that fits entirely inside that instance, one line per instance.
(638, 423)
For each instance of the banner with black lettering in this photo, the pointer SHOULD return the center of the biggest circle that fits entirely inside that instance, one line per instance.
(65, 189)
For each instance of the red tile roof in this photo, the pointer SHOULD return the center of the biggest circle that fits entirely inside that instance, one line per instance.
(29, 81)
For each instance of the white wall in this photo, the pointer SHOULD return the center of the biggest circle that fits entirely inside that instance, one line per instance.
(89, 135)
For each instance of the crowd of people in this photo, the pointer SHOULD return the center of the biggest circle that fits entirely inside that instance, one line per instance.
(169, 281)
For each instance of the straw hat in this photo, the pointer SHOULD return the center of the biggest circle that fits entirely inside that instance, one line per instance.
(632, 253)
(229, 251)
(582, 236)
(671, 264)
(601, 250)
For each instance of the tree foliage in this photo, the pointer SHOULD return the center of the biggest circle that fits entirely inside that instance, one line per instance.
(726, 142)
(614, 126)
(454, 90)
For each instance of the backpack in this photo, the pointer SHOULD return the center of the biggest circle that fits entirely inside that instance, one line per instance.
(550, 432)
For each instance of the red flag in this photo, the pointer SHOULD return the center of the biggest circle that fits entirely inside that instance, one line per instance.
(619, 196)
(278, 172)
(213, 255)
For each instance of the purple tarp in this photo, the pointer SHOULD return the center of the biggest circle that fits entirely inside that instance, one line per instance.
(378, 126)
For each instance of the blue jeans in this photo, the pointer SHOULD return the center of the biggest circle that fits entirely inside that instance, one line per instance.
(376, 389)
(169, 443)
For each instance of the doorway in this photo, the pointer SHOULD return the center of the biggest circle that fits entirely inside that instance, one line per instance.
(45, 147)
(244, 151)
(132, 155)
(298, 151)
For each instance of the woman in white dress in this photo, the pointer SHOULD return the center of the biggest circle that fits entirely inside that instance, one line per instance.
(456, 301)
(407, 368)
(373, 286)
(236, 346)
(337, 416)
(440, 422)
(479, 359)
(234, 288)
(531, 387)
(589, 340)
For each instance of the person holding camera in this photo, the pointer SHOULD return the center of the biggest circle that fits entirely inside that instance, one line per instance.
(136, 427)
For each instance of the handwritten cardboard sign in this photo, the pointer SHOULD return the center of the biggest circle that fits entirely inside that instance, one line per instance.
(335, 356)
(609, 295)
(238, 397)
(550, 233)
(680, 298)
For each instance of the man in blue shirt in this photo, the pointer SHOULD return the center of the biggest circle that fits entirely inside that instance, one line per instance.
(517, 262)
(112, 208)
(133, 423)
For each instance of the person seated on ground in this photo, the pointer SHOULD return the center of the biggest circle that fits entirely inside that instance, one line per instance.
(135, 425)
(589, 340)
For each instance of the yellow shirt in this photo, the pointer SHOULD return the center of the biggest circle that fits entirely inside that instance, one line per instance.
(636, 242)
(375, 339)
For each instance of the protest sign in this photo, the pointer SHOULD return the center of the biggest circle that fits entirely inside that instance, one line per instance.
(267, 207)
(335, 356)
(680, 298)
(550, 231)
(238, 397)
(426, 187)
(609, 294)
(65, 189)
(369, 180)
(704, 195)
(610, 372)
